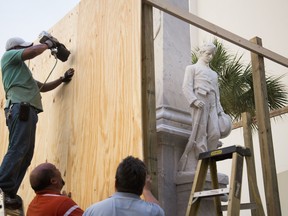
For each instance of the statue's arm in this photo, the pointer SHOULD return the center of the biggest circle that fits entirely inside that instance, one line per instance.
(188, 84)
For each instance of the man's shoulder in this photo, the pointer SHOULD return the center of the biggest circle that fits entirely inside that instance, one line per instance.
(54, 197)
(116, 203)
(102, 206)
(156, 210)
(140, 206)
(12, 54)
(192, 67)
(52, 203)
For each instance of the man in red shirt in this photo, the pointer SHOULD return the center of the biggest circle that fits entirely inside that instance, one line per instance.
(47, 182)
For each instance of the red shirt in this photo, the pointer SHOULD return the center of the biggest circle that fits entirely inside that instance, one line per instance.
(47, 203)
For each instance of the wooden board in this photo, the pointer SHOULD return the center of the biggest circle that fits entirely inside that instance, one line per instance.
(91, 124)
(216, 30)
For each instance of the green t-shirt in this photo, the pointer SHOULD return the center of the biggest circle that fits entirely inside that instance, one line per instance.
(18, 82)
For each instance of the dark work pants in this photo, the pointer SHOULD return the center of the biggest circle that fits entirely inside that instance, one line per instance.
(20, 149)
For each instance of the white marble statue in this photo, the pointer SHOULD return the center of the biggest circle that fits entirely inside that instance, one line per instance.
(209, 122)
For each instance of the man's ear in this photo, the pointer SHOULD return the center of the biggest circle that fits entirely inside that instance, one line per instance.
(53, 181)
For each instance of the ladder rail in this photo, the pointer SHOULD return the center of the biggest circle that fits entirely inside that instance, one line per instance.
(237, 154)
(235, 185)
(215, 184)
(201, 172)
(250, 163)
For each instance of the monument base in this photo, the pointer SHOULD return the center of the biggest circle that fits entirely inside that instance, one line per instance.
(184, 181)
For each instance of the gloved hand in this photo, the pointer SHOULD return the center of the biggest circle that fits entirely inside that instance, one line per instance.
(51, 44)
(68, 75)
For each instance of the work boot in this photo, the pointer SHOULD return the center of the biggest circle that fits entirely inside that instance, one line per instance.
(12, 202)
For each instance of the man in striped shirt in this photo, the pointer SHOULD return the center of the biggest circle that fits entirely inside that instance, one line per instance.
(47, 182)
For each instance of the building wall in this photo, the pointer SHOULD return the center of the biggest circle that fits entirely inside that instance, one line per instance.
(89, 125)
(282, 181)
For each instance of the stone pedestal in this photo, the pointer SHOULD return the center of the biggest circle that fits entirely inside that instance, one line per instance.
(183, 188)
(183, 192)
(173, 131)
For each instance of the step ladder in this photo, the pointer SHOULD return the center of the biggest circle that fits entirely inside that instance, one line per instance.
(9, 212)
(237, 154)
(2, 212)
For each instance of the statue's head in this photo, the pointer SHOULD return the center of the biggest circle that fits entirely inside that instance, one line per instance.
(209, 46)
(206, 52)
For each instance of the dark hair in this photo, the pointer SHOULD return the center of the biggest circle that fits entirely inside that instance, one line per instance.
(131, 176)
(43, 179)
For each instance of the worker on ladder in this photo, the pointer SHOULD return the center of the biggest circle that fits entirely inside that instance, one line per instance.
(23, 103)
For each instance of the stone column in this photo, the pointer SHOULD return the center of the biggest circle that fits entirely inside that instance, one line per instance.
(172, 55)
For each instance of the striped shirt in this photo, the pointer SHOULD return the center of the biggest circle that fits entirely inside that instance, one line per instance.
(47, 203)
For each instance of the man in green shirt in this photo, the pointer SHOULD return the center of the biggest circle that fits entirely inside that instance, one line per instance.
(23, 103)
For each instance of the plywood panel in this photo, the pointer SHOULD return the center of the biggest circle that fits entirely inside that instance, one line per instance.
(89, 125)
(109, 47)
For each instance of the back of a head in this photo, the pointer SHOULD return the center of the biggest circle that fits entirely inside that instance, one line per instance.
(131, 176)
(40, 177)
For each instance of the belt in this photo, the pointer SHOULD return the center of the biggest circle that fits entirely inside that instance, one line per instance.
(36, 110)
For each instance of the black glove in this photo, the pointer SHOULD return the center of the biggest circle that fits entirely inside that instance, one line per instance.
(51, 44)
(68, 75)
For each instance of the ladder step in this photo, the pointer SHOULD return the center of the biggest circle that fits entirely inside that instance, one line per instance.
(2, 212)
(5, 211)
(211, 193)
(209, 159)
(242, 206)
(224, 153)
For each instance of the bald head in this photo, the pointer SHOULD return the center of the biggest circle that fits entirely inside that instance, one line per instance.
(46, 176)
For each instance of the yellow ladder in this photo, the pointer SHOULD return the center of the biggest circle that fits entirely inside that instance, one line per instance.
(237, 153)
(2, 212)
(9, 212)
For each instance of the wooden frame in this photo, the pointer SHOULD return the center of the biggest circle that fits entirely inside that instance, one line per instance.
(148, 96)
(267, 154)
